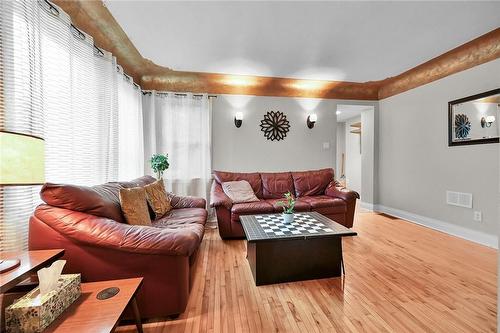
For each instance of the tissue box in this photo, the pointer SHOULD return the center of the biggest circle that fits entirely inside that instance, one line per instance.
(33, 313)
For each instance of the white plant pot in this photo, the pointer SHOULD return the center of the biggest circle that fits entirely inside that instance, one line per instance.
(287, 218)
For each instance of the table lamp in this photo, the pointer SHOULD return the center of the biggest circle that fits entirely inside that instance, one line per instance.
(22, 163)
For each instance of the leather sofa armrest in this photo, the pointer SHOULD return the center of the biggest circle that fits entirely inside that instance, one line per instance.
(102, 232)
(218, 197)
(178, 201)
(333, 190)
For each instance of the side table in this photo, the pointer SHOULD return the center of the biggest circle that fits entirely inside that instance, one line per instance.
(31, 262)
(91, 314)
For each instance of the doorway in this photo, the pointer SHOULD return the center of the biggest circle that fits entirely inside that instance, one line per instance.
(355, 149)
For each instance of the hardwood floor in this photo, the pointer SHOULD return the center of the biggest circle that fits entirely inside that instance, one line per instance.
(401, 277)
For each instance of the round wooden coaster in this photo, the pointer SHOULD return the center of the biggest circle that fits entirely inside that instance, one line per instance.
(107, 293)
(7, 265)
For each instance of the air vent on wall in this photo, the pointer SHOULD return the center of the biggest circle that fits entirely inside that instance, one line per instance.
(459, 199)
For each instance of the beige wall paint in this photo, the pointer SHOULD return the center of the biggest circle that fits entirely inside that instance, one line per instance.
(416, 166)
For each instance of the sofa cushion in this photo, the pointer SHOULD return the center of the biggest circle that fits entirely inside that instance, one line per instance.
(101, 200)
(252, 178)
(134, 206)
(275, 185)
(319, 202)
(191, 218)
(307, 183)
(250, 208)
(239, 191)
(138, 182)
(300, 206)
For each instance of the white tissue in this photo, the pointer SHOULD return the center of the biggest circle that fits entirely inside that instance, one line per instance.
(48, 277)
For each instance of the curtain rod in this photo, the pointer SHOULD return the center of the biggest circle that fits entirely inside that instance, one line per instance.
(52, 9)
(145, 92)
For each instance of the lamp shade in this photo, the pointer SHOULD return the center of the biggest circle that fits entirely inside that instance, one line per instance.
(22, 159)
(490, 119)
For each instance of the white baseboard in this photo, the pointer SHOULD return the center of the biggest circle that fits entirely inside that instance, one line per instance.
(367, 205)
(446, 227)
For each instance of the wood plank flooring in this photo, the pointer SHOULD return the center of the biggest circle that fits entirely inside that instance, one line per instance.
(401, 277)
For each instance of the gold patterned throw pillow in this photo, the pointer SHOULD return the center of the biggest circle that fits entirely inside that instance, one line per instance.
(157, 198)
(134, 206)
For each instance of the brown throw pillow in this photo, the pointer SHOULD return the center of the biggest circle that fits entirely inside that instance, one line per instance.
(157, 198)
(134, 206)
(239, 191)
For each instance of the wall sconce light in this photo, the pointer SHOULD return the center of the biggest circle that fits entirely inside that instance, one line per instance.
(238, 119)
(486, 122)
(311, 119)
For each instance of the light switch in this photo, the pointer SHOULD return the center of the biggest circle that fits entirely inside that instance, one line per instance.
(326, 145)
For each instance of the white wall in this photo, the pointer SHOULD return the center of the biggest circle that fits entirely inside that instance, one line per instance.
(246, 148)
(369, 121)
(352, 156)
(340, 148)
(416, 166)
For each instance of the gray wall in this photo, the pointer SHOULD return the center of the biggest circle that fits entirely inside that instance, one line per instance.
(416, 166)
(246, 148)
(369, 153)
(353, 156)
(340, 148)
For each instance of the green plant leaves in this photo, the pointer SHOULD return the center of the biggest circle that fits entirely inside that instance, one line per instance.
(159, 163)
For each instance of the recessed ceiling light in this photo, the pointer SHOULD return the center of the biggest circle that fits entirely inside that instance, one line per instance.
(338, 112)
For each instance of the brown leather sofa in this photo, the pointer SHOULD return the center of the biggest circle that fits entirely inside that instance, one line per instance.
(314, 190)
(87, 222)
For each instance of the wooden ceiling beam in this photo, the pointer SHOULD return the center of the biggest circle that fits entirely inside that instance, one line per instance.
(94, 18)
(476, 52)
(159, 78)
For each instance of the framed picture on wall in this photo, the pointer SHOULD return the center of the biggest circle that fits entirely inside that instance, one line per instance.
(474, 119)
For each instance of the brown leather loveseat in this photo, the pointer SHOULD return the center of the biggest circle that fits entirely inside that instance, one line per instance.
(314, 190)
(87, 222)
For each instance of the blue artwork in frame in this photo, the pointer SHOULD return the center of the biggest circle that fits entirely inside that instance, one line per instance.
(462, 126)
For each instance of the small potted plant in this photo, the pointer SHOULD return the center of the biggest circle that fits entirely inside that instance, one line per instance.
(159, 163)
(288, 207)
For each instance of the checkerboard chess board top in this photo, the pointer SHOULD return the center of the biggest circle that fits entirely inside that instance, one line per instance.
(304, 225)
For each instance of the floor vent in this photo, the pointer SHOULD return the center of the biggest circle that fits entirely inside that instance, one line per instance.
(459, 199)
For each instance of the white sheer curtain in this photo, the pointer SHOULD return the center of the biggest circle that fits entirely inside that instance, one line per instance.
(130, 134)
(55, 84)
(180, 125)
(79, 104)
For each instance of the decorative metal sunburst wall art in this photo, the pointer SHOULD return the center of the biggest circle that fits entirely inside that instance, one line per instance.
(275, 125)
(462, 126)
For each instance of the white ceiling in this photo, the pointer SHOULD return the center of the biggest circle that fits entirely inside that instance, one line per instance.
(351, 41)
(350, 111)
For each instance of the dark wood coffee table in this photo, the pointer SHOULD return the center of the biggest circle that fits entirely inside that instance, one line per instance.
(308, 248)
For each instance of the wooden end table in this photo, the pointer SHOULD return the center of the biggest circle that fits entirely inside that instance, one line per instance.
(12, 280)
(31, 262)
(90, 314)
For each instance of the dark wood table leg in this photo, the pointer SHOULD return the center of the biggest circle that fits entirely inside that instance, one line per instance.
(342, 257)
(137, 315)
